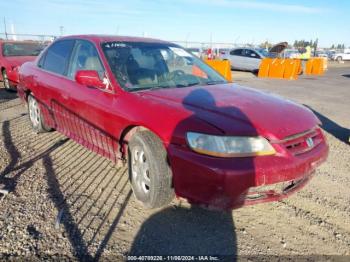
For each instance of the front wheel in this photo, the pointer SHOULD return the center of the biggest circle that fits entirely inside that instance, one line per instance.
(35, 116)
(6, 80)
(149, 171)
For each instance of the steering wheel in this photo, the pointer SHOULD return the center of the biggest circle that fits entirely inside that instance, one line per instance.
(176, 74)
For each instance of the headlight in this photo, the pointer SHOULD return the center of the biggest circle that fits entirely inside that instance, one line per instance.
(229, 146)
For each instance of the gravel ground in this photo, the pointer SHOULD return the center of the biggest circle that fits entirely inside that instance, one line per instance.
(67, 202)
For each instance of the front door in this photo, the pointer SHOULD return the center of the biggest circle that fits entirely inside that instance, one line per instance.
(253, 59)
(89, 108)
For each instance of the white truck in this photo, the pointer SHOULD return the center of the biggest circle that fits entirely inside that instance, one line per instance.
(342, 56)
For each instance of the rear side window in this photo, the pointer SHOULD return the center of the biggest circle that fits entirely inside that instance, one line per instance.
(236, 52)
(57, 57)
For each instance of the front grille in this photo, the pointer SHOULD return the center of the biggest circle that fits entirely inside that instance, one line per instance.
(303, 142)
(260, 192)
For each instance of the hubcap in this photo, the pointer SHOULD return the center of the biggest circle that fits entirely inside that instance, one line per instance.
(34, 113)
(6, 81)
(140, 170)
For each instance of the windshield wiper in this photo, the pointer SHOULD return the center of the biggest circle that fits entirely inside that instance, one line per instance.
(191, 84)
(148, 88)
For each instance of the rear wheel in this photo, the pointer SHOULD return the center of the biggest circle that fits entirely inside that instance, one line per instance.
(339, 59)
(149, 172)
(35, 116)
(7, 85)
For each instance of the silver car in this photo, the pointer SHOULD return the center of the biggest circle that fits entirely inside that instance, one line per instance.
(245, 58)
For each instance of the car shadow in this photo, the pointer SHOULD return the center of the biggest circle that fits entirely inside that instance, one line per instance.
(7, 95)
(254, 72)
(89, 193)
(187, 232)
(204, 229)
(7, 179)
(348, 76)
(339, 132)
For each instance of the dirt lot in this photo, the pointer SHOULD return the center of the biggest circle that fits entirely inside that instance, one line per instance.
(65, 201)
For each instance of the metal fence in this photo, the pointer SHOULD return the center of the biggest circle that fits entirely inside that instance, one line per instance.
(22, 37)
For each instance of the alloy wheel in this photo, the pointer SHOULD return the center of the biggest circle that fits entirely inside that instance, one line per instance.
(34, 113)
(140, 171)
(6, 80)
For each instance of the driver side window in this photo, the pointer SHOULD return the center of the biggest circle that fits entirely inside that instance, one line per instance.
(251, 54)
(85, 57)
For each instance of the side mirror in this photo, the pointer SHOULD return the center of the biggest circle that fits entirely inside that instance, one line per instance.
(89, 78)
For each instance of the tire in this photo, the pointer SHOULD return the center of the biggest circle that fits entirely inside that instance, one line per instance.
(149, 172)
(35, 116)
(6, 81)
(339, 59)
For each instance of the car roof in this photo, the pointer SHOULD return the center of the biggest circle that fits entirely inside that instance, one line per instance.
(112, 38)
(250, 48)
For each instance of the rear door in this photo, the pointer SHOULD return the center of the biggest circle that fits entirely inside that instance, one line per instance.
(49, 80)
(237, 59)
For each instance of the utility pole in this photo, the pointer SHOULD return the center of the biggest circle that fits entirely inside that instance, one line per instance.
(186, 40)
(61, 30)
(211, 40)
(5, 28)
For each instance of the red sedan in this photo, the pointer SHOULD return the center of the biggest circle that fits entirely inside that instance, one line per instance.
(182, 128)
(12, 55)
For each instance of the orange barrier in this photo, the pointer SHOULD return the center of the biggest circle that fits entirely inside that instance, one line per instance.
(222, 67)
(277, 68)
(315, 66)
(308, 67)
(318, 66)
(292, 68)
(280, 68)
(264, 67)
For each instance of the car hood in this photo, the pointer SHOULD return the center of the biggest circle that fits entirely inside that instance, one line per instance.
(237, 110)
(19, 60)
(278, 48)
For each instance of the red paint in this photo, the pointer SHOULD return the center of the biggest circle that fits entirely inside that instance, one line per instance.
(12, 63)
(89, 78)
(99, 119)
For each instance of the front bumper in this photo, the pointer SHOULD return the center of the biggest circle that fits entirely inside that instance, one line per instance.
(13, 76)
(229, 183)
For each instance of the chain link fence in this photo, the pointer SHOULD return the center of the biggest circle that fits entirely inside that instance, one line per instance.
(27, 37)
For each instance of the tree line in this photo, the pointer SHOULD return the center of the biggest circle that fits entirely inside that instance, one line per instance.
(302, 44)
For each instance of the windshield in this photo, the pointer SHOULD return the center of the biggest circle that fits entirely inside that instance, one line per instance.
(21, 49)
(263, 51)
(139, 66)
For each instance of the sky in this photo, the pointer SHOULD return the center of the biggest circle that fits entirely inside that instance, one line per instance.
(222, 21)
